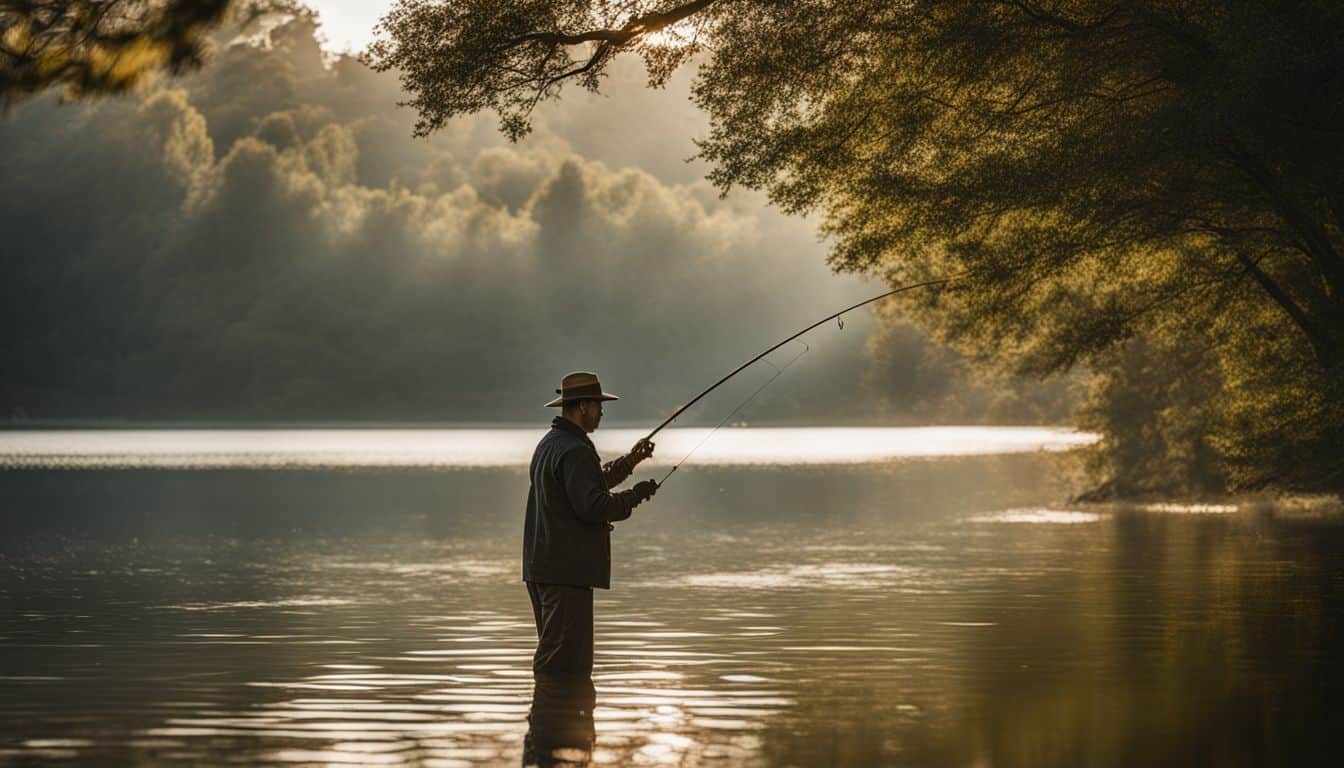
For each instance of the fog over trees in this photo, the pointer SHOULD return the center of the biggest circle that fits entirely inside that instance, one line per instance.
(264, 239)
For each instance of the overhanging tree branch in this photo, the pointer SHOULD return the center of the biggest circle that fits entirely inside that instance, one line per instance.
(1319, 343)
(1313, 235)
(616, 38)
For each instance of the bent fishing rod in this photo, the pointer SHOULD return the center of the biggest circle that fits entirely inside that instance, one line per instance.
(748, 364)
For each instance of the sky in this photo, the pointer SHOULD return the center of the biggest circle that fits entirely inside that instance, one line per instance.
(347, 25)
(265, 240)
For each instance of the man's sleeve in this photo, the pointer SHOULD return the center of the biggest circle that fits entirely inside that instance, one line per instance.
(615, 471)
(587, 490)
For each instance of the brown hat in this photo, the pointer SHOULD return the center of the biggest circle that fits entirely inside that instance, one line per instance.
(580, 385)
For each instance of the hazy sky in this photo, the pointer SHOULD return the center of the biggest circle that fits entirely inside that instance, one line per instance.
(348, 24)
(265, 239)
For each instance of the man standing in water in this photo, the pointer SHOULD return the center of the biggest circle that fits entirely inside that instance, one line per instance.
(566, 554)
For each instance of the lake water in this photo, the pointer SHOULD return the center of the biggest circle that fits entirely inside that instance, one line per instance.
(791, 597)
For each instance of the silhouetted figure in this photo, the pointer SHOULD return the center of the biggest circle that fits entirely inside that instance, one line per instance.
(567, 545)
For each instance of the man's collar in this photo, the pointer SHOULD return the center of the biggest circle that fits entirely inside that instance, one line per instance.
(560, 422)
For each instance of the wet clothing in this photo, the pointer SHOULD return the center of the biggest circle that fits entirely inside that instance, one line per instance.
(566, 536)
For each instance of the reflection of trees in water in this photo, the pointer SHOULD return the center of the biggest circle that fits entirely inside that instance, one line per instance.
(1195, 640)
(560, 723)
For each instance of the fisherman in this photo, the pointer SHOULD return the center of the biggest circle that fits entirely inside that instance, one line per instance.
(567, 534)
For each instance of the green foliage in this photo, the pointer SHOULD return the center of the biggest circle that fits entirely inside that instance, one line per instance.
(1281, 416)
(1181, 413)
(93, 47)
(1094, 170)
(1153, 403)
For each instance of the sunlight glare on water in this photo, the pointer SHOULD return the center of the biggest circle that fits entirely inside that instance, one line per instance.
(1038, 515)
(482, 448)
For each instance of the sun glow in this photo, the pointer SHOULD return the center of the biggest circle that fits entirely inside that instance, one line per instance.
(672, 36)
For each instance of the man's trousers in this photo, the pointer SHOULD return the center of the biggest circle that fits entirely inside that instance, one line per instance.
(560, 722)
(564, 617)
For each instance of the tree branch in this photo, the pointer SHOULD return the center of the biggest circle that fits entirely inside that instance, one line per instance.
(1317, 241)
(1319, 343)
(1316, 335)
(640, 25)
(1182, 32)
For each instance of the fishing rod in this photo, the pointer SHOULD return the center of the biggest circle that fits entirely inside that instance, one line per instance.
(772, 348)
(778, 372)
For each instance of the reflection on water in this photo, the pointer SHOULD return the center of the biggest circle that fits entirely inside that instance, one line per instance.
(933, 614)
(453, 448)
(1192, 509)
(1038, 515)
(560, 729)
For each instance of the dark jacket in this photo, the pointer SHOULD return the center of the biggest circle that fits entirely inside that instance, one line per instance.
(566, 538)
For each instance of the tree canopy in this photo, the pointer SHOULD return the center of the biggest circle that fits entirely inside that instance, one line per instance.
(1098, 171)
(105, 46)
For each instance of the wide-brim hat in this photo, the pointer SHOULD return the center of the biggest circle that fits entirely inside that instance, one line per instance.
(580, 385)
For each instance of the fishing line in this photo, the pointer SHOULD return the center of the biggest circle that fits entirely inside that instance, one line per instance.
(836, 316)
(778, 372)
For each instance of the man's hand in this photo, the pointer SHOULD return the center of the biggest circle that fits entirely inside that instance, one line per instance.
(644, 490)
(642, 450)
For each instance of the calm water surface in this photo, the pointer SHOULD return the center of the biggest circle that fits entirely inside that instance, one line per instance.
(810, 611)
